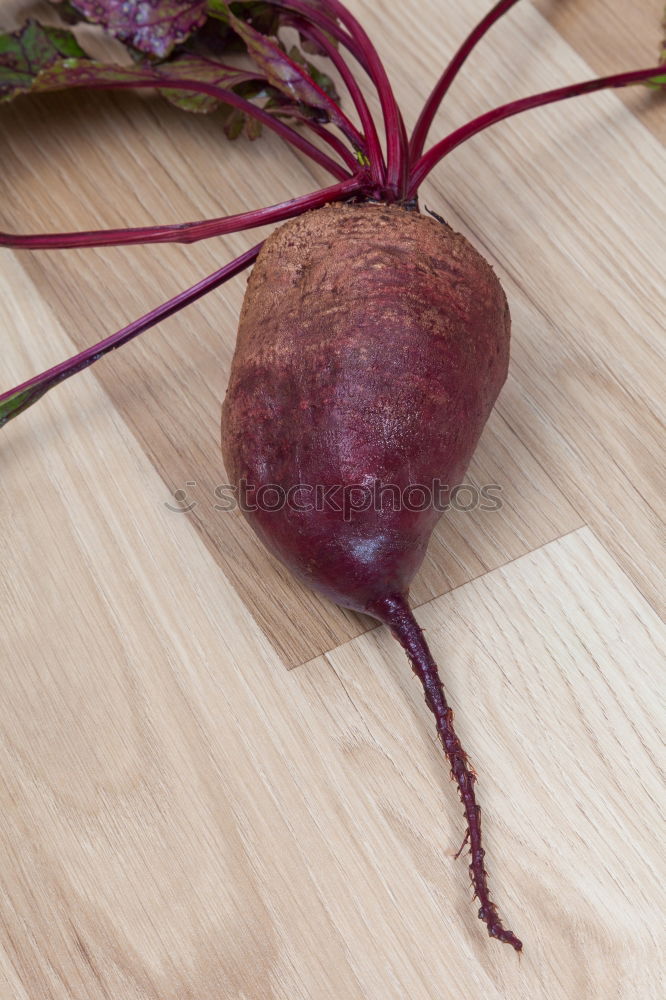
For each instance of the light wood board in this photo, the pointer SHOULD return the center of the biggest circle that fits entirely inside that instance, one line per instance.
(180, 815)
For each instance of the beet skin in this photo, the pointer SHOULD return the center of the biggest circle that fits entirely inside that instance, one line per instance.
(372, 345)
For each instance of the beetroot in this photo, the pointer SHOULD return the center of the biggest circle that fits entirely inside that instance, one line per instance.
(372, 345)
(373, 341)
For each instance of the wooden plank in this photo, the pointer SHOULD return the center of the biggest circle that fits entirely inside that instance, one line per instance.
(179, 815)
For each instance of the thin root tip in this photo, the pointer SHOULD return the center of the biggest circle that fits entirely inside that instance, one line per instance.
(495, 928)
(508, 937)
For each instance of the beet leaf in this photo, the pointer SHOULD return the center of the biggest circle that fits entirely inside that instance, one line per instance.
(152, 26)
(291, 77)
(179, 44)
(323, 80)
(38, 58)
(193, 67)
(25, 53)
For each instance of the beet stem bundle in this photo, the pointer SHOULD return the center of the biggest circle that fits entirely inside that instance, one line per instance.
(374, 149)
(355, 268)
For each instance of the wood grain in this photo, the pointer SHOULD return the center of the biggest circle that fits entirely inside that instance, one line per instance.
(179, 815)
(611, 34)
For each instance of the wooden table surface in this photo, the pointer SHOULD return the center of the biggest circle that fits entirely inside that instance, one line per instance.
(181, 815)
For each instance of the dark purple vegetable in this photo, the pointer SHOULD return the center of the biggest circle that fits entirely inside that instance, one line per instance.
(372, 345)
(373, 341)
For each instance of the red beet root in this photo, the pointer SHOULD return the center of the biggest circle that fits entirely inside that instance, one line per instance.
(372, 345)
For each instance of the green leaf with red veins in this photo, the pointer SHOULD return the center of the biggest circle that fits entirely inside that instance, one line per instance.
(233, 124)
(321, 79)
(90, 73)
(37, 59)
(253, 128)
(152, 26)
(282, 72)
(28, 51)
(208, 71)
(45, 64)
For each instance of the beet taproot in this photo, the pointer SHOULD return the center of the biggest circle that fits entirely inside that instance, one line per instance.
(372, 345)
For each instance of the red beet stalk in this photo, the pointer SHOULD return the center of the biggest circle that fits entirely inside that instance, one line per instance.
(17, 400)
(183, 232)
